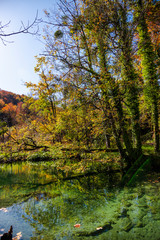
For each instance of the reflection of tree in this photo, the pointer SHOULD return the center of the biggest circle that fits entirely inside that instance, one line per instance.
(79, 201)
(21, 182)
(53, 206)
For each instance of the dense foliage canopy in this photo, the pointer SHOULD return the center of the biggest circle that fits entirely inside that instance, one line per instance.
(98, 78)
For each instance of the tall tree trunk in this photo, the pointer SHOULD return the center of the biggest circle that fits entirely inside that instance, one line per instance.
(149, 71)
(114, 130)
(108, 81)
(129, 77)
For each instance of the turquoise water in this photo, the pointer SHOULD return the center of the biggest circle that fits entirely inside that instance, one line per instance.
(40, 206)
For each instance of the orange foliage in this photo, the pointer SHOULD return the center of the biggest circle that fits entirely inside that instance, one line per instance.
(153, 20)
(9, 97)
(2, 103)
(9, 109)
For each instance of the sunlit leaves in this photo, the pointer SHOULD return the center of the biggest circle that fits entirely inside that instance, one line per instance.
(90, 82)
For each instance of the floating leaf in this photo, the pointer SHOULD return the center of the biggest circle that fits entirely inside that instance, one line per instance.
(3, 209)
(18, 236)
(77, 225)
(100, 228)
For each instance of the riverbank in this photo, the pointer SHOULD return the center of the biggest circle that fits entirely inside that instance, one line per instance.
(76, 162)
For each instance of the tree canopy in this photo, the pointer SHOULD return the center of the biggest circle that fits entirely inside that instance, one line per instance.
(98, 76)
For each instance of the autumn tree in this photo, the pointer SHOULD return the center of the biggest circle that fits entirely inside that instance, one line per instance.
(45, 90)
(45, 95)
(122, 34)
(10, 112)
(88, 76)
(2, 104)
(152, 20)
(86, 41)
(3, 129)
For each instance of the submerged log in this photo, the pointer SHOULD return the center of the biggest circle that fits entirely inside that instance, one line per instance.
(8, 236)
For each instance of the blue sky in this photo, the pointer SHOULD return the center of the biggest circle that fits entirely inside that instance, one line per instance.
(17, 59)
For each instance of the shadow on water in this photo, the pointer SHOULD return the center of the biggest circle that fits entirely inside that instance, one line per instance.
(41, 206)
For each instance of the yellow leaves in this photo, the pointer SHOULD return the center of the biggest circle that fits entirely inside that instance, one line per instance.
(36, 69)
(46, 12)
(9, 108)
(2, 103)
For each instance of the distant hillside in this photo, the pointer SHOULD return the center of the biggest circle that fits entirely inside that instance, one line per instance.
(9, 97)
(10, 107)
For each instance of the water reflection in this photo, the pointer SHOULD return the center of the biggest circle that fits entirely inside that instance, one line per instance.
(43, 207)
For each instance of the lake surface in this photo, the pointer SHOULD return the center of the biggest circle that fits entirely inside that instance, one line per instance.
(40, 206)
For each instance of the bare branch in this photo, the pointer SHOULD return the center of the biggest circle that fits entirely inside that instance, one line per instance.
(26, 29)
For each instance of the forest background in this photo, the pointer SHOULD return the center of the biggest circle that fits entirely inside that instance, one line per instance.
(97, 100)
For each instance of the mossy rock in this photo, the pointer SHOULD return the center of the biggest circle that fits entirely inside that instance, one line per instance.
(131, 196)
(124, 224)
(140, 224)
(127, 226)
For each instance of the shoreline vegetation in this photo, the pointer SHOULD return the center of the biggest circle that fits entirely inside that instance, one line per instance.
(75, 163)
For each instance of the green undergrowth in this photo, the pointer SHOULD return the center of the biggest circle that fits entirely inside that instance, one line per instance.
(39, 156)
(69, 165)
(71, 160)
(12, 157)
(68, 161)
(148, 148)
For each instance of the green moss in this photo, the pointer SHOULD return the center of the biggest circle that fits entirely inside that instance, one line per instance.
(39, 156)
